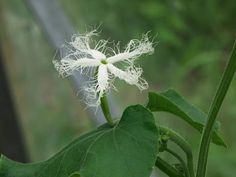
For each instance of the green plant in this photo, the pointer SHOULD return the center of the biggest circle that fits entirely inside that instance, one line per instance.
(132, 145)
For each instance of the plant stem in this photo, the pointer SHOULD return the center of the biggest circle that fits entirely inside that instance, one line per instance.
(183, 144)
(167, 168)
(186, 172)
(214, 109)
(106, 110)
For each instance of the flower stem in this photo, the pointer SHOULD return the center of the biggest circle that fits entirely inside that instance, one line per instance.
(106, 110)
(214, 109)
(167, 168)
(184, 166)
(183, 144)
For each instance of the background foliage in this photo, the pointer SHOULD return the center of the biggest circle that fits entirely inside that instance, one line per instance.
(193, 41)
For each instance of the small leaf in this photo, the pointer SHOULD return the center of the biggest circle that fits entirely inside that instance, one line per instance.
(170, 101)
(129, 149)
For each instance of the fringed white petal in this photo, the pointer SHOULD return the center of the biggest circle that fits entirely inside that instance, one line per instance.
(81, 45)
(67, 66)
(94, 92)
(132, 76)
(134, 49)
(81, 41)
(97, 55)
(102, 78)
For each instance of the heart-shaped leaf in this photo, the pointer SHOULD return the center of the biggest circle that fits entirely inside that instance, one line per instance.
(129, 149)
(170, 101)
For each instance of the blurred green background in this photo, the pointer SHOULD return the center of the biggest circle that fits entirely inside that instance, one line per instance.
(194, 39)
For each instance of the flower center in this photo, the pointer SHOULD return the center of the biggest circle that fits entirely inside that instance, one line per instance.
(104, 61)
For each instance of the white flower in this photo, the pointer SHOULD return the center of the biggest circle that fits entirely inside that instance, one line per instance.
(81, 57)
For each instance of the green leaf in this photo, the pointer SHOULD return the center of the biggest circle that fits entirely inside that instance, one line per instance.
(129, 149)
(170, 101)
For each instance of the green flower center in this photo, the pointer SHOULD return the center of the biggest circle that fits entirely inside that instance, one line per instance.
(104, 61)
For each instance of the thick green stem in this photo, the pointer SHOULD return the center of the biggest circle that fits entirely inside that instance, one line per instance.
(214, 109)
(183, 144)
(185, 168)
(167, 168)
(106, 110)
